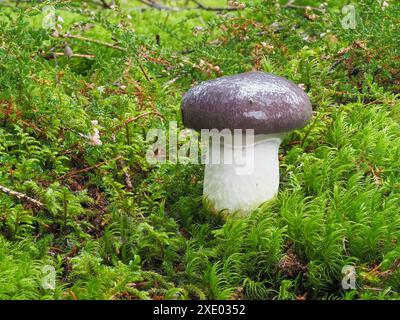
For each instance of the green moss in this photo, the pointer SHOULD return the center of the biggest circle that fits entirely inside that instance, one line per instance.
(155, 238)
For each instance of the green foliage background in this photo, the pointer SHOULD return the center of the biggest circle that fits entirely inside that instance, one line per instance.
(339, 199)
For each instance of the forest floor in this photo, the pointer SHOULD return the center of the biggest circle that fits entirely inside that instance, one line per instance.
(107, 224)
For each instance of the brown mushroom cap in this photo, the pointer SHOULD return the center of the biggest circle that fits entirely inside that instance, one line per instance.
(251, 100)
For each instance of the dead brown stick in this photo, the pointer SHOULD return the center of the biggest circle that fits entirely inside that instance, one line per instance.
(144, 114)
(87, 169)
(144, 72)
(22, 197)
(102, 43)
(132, 119)
(75, 55)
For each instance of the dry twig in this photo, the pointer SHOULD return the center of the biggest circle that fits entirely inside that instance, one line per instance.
(129, 120)
(106, 44)
(87, 169)
(158, 6)
(203, 7)
(75, 55)
(290, 5)
(22, 197)
(199, 5)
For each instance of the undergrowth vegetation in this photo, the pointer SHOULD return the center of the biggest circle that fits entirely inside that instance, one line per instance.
(114, 226)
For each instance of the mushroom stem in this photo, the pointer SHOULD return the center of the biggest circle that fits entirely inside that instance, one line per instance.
(244, 179)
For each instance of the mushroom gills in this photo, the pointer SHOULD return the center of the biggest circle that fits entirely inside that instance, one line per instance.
(249, 179)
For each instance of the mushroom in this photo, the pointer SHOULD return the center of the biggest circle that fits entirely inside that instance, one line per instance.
(68, 51)
(265, 105)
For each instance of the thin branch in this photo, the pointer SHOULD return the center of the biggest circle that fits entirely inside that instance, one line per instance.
(106, 44)
(290, 5)
(100, 3)
(334, 65)
(172, 80)
(132, 119)
(127, 176)
(203, 7)
(144, 72)
(75, 55)
(129, 120)
(125, 170)
(159, 6)
(106, 5)
(317, 117)
(87, 169)
(21, 196)
(103, 3)
(186, 51)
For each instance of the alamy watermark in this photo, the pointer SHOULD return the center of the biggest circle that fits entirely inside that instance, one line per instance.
(48, 280)
(230, 147)
(50, 18)
(349, 279)
(349, 20)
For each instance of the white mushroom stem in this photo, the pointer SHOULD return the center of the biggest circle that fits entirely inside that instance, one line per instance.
(244, 175)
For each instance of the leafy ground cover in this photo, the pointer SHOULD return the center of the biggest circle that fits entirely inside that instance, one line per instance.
(116, 227)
